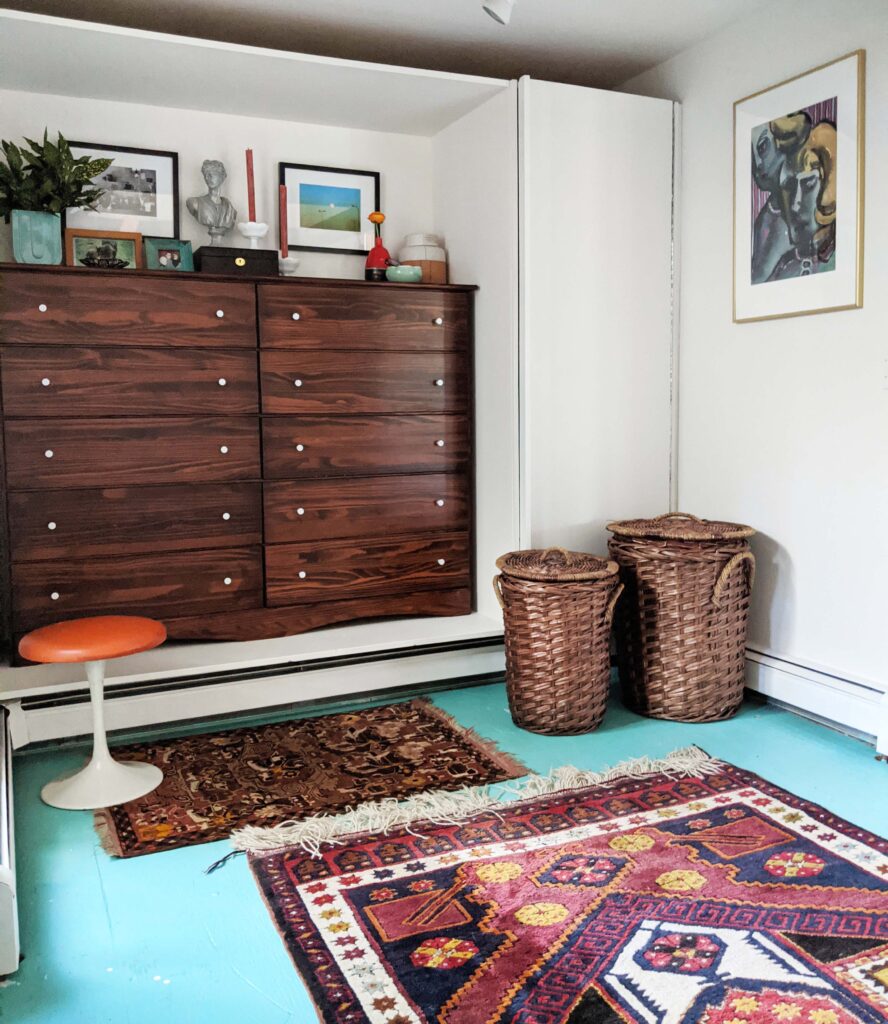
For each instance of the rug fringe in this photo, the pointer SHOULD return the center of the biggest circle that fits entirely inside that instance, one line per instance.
(440, 807)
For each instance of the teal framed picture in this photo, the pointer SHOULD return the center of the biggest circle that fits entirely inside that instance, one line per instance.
(168, 254)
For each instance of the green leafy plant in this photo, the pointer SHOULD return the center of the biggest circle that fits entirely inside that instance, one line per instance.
(47, 177)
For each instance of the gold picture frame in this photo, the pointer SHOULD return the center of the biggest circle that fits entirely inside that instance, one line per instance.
(817, 276)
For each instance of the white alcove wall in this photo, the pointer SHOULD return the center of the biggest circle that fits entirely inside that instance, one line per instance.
(446, 148)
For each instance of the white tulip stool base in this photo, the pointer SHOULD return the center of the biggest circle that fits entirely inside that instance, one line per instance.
(104, 782)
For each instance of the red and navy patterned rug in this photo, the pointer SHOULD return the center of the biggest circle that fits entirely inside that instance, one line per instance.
(663, 900)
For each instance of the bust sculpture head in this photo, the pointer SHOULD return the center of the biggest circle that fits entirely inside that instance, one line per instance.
(213, 210)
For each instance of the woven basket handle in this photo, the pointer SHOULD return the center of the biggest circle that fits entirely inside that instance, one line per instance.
(676, 515)
(725, 574)
(498, 590)
(561, 551)
(612, 604)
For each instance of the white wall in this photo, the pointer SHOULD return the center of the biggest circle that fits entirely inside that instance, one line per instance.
(476, 197)
(784, 424)
(405, 161)
(596, 298)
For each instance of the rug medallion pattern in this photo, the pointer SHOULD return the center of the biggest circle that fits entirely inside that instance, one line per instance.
(288, 771)
(719, 900)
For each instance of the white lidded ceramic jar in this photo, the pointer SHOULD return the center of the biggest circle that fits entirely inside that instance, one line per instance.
(426, 251)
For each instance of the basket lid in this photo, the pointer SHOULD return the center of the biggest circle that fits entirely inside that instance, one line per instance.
(680, 526)
(554, 565)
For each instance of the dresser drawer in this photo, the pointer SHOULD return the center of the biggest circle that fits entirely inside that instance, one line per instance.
(58, 308)
(106, 453)
(133, 520)
(304, 573)
(363, 382)
(184, 583)
(56, 381)
(363, 317)
(365, 507)
(301, 446)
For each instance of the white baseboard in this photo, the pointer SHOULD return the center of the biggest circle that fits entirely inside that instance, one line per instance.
(34, 720)
(856, 705)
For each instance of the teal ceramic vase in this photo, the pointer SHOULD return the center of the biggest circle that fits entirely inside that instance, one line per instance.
(36, 237)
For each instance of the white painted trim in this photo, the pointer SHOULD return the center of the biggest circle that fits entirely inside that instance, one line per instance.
(217, 699)
(675, 350)
(846, 702)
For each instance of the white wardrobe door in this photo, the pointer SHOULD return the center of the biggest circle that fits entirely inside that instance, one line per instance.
(596, 185)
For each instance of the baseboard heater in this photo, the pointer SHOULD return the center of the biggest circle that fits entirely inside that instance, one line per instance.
(9, 933)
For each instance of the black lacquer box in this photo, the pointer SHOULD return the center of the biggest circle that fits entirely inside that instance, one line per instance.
(220, 259)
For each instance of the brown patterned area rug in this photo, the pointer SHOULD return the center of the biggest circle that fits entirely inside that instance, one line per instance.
(288, 771)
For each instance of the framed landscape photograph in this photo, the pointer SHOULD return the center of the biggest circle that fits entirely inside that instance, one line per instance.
(168, 254)
(798, 194)
(103, 250)
(141, 191)
(328, 207)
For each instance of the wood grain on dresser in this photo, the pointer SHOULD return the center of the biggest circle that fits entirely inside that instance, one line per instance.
(363, 382)
(84, 523)
(52, 308)
(117, 452)
(365, 507)
(300, 446)
(356, 317)
(53, 381)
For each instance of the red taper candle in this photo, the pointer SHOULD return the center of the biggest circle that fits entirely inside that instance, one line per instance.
(285, 251)
(251, 186)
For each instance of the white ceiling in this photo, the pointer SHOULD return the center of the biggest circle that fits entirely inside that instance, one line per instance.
(588, 42)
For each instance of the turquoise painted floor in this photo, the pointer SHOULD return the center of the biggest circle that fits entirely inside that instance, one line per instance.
(155, 939)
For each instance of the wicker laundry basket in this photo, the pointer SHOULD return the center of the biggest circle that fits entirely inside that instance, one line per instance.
(557, 607)
(681, 627)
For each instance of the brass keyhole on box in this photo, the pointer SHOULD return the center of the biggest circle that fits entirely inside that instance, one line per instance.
(240, 261)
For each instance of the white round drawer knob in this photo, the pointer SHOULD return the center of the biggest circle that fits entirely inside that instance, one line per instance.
(300, 447)
(46, 382)
(226, 516)
(439, 383)
(42, 307)
(442, 561)
(222, 382)
(50, 526)
(227, 581)
(439, 443)
(223, 448)
(300, 511)
(440, 503)
(49, 453)
(297, 383)
(295, 316)
(220, 313)
(302, 574)
(438, 321)
(54, 595)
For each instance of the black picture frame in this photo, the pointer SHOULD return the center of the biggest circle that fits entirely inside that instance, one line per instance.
(97, 149)
(375, 177)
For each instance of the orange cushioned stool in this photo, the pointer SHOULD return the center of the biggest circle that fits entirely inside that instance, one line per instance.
(104, 781)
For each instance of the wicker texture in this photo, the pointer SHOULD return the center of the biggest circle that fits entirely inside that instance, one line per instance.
(557, 634)
(681, 627)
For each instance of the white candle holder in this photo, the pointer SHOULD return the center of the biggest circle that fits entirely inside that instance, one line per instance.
(288, 265)
(253, 231)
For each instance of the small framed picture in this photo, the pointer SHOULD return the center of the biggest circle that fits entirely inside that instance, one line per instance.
(141, 191)
(103, 250)
(168, 254)
(328, 207)
(798, 207)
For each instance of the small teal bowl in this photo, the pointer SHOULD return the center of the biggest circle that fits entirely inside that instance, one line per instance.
(404, 275)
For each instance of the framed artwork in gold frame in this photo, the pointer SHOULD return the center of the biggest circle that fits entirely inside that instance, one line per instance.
(103, 250)
(798, 194)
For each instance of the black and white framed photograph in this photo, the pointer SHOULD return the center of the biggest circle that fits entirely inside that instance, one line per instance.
(328, 207)
(140, 191)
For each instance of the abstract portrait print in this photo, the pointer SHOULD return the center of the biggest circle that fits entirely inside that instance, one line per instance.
(793, 194)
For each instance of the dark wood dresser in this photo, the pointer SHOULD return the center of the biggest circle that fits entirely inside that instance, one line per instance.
(239, 458)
